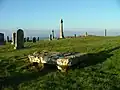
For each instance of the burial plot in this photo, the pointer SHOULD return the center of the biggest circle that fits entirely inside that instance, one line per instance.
(62, 60)
(2, 42)
(19, 40)
(13, 38)
(34, 39)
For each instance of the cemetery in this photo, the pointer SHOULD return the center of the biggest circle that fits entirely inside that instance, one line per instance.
(75, 62)
(90, 62)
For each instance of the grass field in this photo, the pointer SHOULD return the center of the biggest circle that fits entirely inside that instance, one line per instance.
(100, 71)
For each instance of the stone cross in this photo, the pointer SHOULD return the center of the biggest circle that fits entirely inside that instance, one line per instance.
(34, 39)
(19, 40)
(2, 42)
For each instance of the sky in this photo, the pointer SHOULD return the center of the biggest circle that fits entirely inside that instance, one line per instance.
(46, 14)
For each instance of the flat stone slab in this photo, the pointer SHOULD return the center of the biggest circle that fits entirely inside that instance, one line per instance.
(57, 58)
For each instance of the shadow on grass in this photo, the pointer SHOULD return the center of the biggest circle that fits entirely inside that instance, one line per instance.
(14, 80)
(90, 59)
(94, 58)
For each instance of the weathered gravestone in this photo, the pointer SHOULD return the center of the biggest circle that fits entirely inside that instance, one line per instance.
(34, 39)
(19, 40)
(53, 34)
(50, 37)
(2, 42)
(8, 39)
(38, 39)
(75, 35)
(27, 39)
(13, 38)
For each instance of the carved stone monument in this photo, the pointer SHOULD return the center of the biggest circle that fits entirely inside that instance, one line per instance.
(61, 29)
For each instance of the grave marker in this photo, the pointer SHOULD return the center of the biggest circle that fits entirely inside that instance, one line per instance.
(2, 42)
(19, 40)
(34, 39)
(13, 38)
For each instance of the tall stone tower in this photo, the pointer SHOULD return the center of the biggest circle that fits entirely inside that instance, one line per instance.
(61, 29)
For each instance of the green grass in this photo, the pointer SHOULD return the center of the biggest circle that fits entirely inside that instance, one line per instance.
(99, 71)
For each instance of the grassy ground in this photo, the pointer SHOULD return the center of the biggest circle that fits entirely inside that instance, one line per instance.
(100, 71)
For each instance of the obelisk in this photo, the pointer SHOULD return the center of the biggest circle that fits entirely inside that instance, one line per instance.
(61, 29)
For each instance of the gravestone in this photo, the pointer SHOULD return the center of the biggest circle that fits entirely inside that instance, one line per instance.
(53, 34)
(8, 39)
(75, 35)
(34, 39)
(19, 40)
(27, 39)
(13, 38)
(38, 39)
(50, 37)
(86, 34)
(2, 42)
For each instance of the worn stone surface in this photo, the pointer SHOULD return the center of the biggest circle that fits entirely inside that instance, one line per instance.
(50, 37)
(38, 39)
(34, 39)
(13, 38)
(2, 42)
(62, 60)
(28, 39)
(53, 34)
(25, 40)
(8, 39)
(19, 40)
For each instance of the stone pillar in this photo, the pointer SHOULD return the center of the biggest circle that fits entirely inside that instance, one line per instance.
(61, 29)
